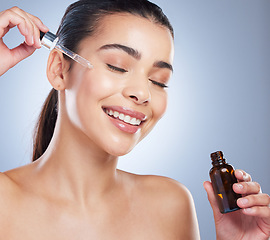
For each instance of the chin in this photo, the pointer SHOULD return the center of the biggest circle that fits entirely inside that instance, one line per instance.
(119, 150)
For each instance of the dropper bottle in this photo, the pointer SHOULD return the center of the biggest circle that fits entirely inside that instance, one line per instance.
(222, 178)
(50, 41)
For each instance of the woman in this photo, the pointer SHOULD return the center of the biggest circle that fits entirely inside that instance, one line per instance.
(73, 189)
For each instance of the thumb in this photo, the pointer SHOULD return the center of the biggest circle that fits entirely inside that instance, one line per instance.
(212, 199)
(21, 52)
(13, 56)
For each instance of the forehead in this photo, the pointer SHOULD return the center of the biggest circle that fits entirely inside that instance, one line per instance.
(128, 19)
(137, 32)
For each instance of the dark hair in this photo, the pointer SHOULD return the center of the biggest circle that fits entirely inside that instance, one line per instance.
(81, 20)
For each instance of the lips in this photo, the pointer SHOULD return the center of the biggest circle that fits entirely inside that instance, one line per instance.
(125, 119)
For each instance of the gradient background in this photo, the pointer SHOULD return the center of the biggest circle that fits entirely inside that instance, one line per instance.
(218, 97)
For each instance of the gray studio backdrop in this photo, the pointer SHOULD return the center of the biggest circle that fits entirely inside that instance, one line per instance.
(218, 97)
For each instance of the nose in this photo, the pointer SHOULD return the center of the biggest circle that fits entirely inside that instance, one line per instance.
(138, 91)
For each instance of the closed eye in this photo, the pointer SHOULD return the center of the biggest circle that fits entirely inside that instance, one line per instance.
(116, 69)
(158, 84)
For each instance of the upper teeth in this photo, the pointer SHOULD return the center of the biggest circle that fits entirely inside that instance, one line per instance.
(123, 117)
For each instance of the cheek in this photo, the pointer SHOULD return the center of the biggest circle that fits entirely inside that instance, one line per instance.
(89, 89)
(159, 104)
(158, 107)
(96, 85)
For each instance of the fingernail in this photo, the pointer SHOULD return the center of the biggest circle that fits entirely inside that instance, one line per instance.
(241, 173)
(244, 201)
(245, 177)
(240, 186)
(32, 40)
(39, 43)
(248, 210)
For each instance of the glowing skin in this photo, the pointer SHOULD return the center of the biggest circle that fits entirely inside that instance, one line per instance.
(74, 189)
(103, 113)
(122, 81)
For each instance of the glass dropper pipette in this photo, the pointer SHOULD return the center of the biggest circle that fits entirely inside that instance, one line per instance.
(50, 41)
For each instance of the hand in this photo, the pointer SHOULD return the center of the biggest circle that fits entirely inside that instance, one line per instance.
(28, 26)
(252, 221)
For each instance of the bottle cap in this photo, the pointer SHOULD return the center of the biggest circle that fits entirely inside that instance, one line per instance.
(41, 35)
(48, 39)
(215, 156)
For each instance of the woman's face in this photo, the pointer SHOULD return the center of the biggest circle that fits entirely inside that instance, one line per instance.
(120, 100)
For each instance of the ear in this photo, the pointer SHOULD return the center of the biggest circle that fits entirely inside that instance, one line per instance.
(57, 67)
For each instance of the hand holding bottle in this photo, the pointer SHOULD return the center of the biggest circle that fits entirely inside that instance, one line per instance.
(28, 26)
(252, 221)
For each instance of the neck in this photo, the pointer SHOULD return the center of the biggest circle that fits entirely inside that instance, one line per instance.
(75, 167)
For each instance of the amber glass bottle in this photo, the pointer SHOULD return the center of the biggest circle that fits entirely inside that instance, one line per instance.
(222, 178)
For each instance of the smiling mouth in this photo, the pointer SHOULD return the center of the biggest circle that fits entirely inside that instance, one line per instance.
(123, 117)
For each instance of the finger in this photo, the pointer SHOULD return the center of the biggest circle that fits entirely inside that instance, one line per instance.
(242, 176)
(14, 56)
(38, 26)
(30, 38)
(212, 200)
(21, 52)
(35, 25)
(247, 188)
(9, 19)
(261, 212)
(28, 25)
(254, 200)
(38, 22)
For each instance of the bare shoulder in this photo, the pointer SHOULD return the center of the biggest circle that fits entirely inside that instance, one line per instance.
(171, 202)
(7, 186)
(160, 188)
(167, 191)
(175, 205)
(8, 190)
(13, 184)
(8, 196)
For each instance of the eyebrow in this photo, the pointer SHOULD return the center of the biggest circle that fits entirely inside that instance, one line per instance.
(130, 51)
(162, 64)
(135, 54)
